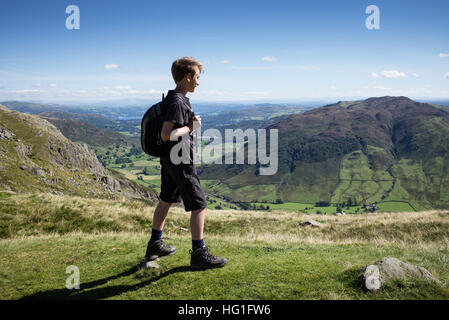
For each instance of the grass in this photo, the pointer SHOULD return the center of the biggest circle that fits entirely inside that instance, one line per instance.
(270, 255)
(35, 269)
(395, 206)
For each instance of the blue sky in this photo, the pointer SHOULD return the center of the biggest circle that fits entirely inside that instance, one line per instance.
(251, 50)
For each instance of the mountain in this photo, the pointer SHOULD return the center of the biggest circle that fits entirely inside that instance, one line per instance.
(36, 108)
(250, 116)
(81, 131)
(379, 149)
(36, 156)
(95, 119)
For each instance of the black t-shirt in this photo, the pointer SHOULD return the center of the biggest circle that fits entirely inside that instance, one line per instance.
(177, 109)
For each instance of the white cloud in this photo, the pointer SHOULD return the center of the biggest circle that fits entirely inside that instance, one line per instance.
(122, 87)
(381, 88)
(225, 61)
(446, 76)
(270, 59)
(213, 92)
(111, 66)
(415, 75)
(133, 92)
(26, 91)
(258, 93)
(392, 74)
(52, 85)
(443, 55)
(374, 75)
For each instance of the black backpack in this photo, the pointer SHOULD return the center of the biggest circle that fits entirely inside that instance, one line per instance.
(151, 127)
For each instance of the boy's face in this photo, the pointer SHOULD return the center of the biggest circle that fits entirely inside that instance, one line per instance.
(193, 81)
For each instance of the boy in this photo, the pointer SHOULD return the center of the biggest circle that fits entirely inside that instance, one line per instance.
(181, 180)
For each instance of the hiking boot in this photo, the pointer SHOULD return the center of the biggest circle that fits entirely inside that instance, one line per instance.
(201, 258)
(158, 249)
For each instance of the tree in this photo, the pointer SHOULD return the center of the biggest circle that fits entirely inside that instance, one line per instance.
(349, 203)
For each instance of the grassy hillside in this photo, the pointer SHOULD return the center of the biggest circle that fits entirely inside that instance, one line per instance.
(80, 131)
(270, 255)
(36, 157)
(375, 150)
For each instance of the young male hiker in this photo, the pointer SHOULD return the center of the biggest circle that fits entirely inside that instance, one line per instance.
(181, 180)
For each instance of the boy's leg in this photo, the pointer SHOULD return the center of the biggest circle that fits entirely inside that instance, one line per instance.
(160, 214)
(201, 258)
(197, 223)
(196, 228)
(156, 247)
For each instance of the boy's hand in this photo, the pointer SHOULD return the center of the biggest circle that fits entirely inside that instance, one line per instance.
(195, 123)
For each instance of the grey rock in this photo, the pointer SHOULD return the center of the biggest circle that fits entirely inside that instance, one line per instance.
(369, 277)
(5, 134)
(73, 182)
(54, 180)
(23, 150)
(373, 276)
(150, 264)
(36, 171)
(311, 223)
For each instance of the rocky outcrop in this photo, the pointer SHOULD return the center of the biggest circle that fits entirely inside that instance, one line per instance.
(22, 150)
(372, 277)
(64, 153)
(34, 150)
(5, 134)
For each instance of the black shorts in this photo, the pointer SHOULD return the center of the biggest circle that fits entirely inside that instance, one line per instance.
(181, 181)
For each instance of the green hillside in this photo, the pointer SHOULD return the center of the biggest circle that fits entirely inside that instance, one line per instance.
(270, 256)
(376, 150)
(36, 157)
(81, 131)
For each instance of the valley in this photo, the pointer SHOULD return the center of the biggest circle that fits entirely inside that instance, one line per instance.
(341, 154)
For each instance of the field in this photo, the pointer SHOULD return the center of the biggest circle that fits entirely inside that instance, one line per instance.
(270, 255)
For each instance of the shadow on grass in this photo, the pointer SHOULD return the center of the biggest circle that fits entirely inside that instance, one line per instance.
(104, 292)
(350, 279)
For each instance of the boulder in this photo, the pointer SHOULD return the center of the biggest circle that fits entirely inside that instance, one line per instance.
(23, 150)
(310, 223)
(5, 134)
(36, 171)
(374, 276)
(150, 265)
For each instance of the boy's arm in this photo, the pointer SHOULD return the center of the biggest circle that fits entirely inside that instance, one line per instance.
(167, 131)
